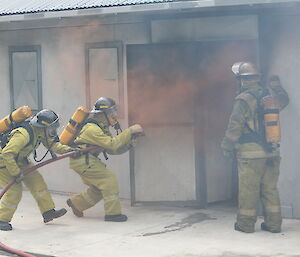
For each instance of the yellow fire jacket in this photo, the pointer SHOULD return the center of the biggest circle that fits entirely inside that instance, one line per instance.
(92, 134)
(244, 117)
(15, 154)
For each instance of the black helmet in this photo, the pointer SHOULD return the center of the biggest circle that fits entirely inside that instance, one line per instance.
(48, 120)
(45, 118)
(104, 104)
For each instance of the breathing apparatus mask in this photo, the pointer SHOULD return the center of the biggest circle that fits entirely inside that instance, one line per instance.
(108, 107)
(48, 121)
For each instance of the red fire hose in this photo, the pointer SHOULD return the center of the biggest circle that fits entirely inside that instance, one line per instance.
(25, 172)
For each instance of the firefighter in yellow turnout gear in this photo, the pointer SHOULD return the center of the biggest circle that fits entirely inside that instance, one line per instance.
(102, 183)
(258, 161)
(14, 158)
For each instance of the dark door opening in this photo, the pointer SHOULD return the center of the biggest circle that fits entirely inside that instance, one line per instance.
(182, 94)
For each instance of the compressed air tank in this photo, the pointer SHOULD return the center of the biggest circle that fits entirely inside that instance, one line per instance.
(74, 125)
(21, 114)
(271, 119)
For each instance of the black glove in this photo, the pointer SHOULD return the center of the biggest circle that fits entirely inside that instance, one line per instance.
(19, 178)
(274, 81)
(53, 155)
(77, 153)
(228, 154)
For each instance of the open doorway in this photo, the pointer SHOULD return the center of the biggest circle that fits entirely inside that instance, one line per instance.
(182, 94)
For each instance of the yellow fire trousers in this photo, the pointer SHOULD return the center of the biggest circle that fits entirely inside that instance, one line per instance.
(101, 182)
(258, 181)
(37, 187)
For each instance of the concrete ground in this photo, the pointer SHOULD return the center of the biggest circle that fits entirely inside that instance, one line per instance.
(149, 232)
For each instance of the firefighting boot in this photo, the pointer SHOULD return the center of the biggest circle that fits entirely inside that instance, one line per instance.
(266, 228)
(116, 218)
(238, 228)
(53, 214)
(5, 226)
(75, 211)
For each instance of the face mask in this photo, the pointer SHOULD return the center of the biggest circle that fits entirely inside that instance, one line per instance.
(52, 130)
(112, 117)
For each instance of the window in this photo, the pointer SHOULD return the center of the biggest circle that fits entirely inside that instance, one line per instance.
(104, 73)
(25, 77)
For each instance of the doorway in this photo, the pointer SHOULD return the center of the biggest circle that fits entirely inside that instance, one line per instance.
(182, 94)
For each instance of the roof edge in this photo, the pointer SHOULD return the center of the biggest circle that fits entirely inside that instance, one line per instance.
(180, 5)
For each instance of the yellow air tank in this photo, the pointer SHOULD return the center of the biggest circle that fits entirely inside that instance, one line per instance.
(271, 119)
(70, 131)
(18, 115)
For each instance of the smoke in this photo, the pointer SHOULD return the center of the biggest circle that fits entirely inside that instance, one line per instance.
(171, 84)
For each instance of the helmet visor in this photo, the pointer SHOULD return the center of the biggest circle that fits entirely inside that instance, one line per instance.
(112, 116)
(51, 130)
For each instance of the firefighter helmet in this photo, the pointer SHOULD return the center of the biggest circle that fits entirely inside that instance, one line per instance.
(46, 119)
(104, 104)
(242, 69)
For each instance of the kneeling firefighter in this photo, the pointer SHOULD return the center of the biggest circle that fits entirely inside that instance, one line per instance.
(22, 140)
(101, 182)
(253, 134)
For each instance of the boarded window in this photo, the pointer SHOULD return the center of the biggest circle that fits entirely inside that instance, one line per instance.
(105, 73)
(25, 77)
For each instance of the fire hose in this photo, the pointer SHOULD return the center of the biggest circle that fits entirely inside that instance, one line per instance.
(27, 171)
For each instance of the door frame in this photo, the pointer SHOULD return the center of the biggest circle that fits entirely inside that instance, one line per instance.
(200, 169)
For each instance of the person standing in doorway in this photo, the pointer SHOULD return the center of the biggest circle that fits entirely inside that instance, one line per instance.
(101, 182)
(258, 159)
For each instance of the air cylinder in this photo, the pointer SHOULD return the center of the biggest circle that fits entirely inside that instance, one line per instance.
(271, 119)
(18, 115)
(74, 125)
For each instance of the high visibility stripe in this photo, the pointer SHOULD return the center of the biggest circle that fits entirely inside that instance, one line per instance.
(112, 197)
(247, 212)
(7, 205)
(45, 122)
(273, 208)
(256, 154)
(40, 193)
(77, 162)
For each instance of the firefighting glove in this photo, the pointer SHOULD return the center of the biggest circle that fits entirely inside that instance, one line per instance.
(136, 130)
(227, 146)
(77, 153)
(19, 178)
(228, 154)
(274, 81)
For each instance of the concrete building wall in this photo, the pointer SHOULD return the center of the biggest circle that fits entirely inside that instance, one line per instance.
(284, 60)
(64, 82)
(63, 85)
(64, 67)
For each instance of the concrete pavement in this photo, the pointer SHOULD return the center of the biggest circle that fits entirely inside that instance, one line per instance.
(151, 231)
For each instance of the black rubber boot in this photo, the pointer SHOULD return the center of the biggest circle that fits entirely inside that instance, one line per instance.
(53, 214)
(116, 218)
(238, 228)
(5, 226)
(266, 228)
(76, 212)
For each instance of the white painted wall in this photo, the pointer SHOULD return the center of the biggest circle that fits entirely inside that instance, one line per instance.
(63, 80)
(285, 61)
(63, 84)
